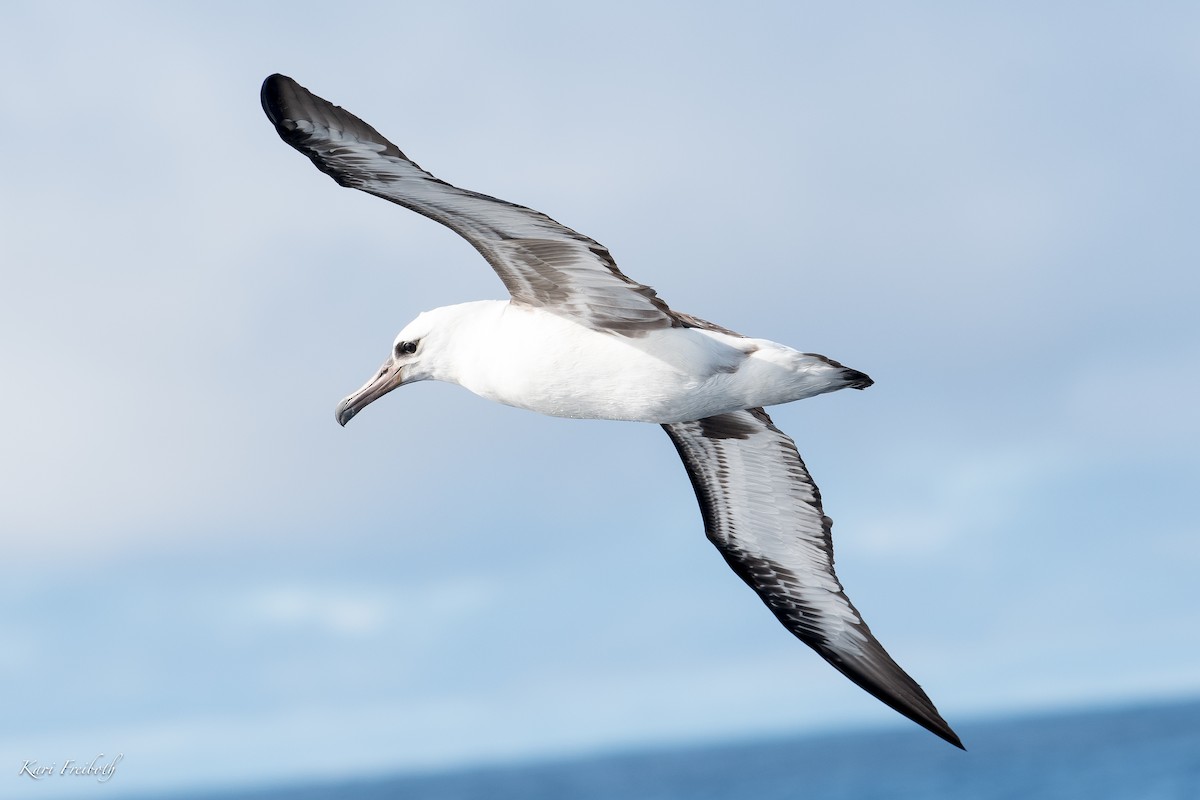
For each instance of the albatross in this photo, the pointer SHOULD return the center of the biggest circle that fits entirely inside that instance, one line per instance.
(580, 339)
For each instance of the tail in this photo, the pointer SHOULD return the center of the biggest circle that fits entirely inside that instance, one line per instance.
(850, 378)
(855, 379)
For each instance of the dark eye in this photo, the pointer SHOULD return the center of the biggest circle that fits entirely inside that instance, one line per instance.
(406, 348)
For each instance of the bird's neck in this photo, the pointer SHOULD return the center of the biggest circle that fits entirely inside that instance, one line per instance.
(464, 334)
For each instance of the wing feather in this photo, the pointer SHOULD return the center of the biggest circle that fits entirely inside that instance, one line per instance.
(763, 511)
(541, 262)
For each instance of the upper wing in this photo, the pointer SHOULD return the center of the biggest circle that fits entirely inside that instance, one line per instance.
(763, 512)
(541, 262)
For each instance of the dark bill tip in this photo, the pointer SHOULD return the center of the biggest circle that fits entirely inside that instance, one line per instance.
(345, 412)
(386, 378)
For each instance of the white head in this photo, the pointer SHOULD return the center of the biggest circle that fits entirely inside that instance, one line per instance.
(417, 353)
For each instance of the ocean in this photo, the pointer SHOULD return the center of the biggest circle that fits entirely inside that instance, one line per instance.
(1137, 753)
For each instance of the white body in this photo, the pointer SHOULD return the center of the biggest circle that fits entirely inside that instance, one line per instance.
(533, 359)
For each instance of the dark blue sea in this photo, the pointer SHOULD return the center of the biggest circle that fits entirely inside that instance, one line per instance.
(1143, 753)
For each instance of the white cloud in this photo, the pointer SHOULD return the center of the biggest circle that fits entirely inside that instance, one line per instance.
(333, 612)
(405, 610)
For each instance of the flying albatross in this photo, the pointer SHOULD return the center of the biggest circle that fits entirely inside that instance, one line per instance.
(581, 339)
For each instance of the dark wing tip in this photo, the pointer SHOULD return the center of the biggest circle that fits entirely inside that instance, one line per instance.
(938, 726)
(272, 96)
(882, 677)
(950, 736)
(284, 101)
(287, 102)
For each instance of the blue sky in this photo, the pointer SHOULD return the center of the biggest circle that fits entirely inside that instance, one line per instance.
(991, 210)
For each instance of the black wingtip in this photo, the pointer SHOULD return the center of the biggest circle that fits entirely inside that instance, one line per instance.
(939, 728)
(875, 671)
(921, 712)
(287, 104)
(272, 96)
(914, 704)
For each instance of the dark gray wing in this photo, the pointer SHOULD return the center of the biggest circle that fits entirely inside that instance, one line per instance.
(542, 263)
(763, 512)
